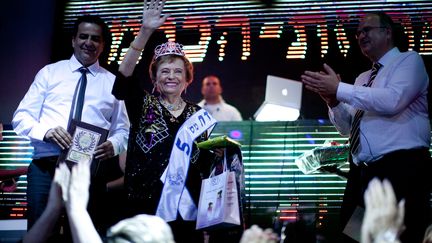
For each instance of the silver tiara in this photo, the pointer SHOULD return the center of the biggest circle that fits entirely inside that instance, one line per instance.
(169, 48)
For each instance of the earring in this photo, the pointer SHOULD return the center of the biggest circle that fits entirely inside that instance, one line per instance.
(185, 89)
(154, 88)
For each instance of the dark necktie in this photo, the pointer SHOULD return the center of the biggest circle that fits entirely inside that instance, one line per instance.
(355, 127)
(80, 98)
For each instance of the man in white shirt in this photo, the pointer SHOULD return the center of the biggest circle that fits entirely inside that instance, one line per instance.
(385, 113)
(47, 109)
(214, 103)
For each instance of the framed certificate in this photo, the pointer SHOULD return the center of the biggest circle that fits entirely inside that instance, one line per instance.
(85, 138)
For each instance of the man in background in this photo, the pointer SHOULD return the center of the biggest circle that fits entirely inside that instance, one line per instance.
(214, 103)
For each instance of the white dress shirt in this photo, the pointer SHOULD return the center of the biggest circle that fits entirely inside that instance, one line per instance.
(47, 104)
(396, 107)
(222, 111)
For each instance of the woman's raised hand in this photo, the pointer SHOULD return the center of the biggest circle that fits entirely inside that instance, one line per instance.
(152, 11)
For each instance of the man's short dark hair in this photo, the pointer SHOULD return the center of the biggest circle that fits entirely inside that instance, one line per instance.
(385, 21)
(94, 20)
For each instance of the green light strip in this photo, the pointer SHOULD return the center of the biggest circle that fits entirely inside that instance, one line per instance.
(291, 182)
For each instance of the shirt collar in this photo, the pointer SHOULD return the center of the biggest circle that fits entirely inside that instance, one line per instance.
(75, 65)
(388, 57)
(222, 101)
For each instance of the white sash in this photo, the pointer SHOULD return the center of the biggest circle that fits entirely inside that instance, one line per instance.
(175, 196)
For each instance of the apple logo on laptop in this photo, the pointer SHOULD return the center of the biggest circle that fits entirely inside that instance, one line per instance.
(284, 92)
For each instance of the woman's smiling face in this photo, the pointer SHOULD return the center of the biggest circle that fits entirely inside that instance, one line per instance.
(171, 77)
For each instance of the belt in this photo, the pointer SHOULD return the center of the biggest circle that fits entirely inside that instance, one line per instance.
(394, 155)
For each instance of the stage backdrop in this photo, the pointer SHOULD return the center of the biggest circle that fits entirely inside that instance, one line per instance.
(241, 41)
(244, 41)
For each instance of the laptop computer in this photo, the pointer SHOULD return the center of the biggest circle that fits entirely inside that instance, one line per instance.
(283, 93)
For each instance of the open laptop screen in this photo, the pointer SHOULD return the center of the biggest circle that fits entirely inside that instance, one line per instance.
(282, 91)
(282, 96)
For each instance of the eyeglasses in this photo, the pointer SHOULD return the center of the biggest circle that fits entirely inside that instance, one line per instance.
(366, 30)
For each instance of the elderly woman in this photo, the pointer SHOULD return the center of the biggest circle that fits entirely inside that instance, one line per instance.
(163, 166)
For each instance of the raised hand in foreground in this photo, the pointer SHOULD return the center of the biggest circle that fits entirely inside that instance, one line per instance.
(383, 219)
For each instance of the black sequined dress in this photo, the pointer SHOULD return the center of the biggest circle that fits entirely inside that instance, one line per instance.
(152, 134)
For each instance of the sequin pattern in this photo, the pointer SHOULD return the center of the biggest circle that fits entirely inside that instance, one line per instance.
(149, 155)
(153, 128)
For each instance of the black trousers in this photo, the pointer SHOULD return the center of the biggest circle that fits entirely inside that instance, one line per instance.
(409, 172)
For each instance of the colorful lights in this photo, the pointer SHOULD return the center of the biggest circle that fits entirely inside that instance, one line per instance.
(236, 134)
(322, 33)
(341, 39)
(222, 44)
(15, 153)
(271, 30)
(408, 30)
(297, 50)
(246, 46)
(426, 40)
(253, 19)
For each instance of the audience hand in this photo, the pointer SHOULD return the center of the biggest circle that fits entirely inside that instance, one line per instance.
(383, 220)
(56, 195)
(78, 193)
(81, 225)
(75, 185)
(62, 178)
(43, 228)
(428, 235)
(256, 235)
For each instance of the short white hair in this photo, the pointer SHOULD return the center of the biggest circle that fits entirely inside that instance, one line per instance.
(141, 228)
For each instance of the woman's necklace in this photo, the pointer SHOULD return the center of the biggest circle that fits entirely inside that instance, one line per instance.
(171, 107)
